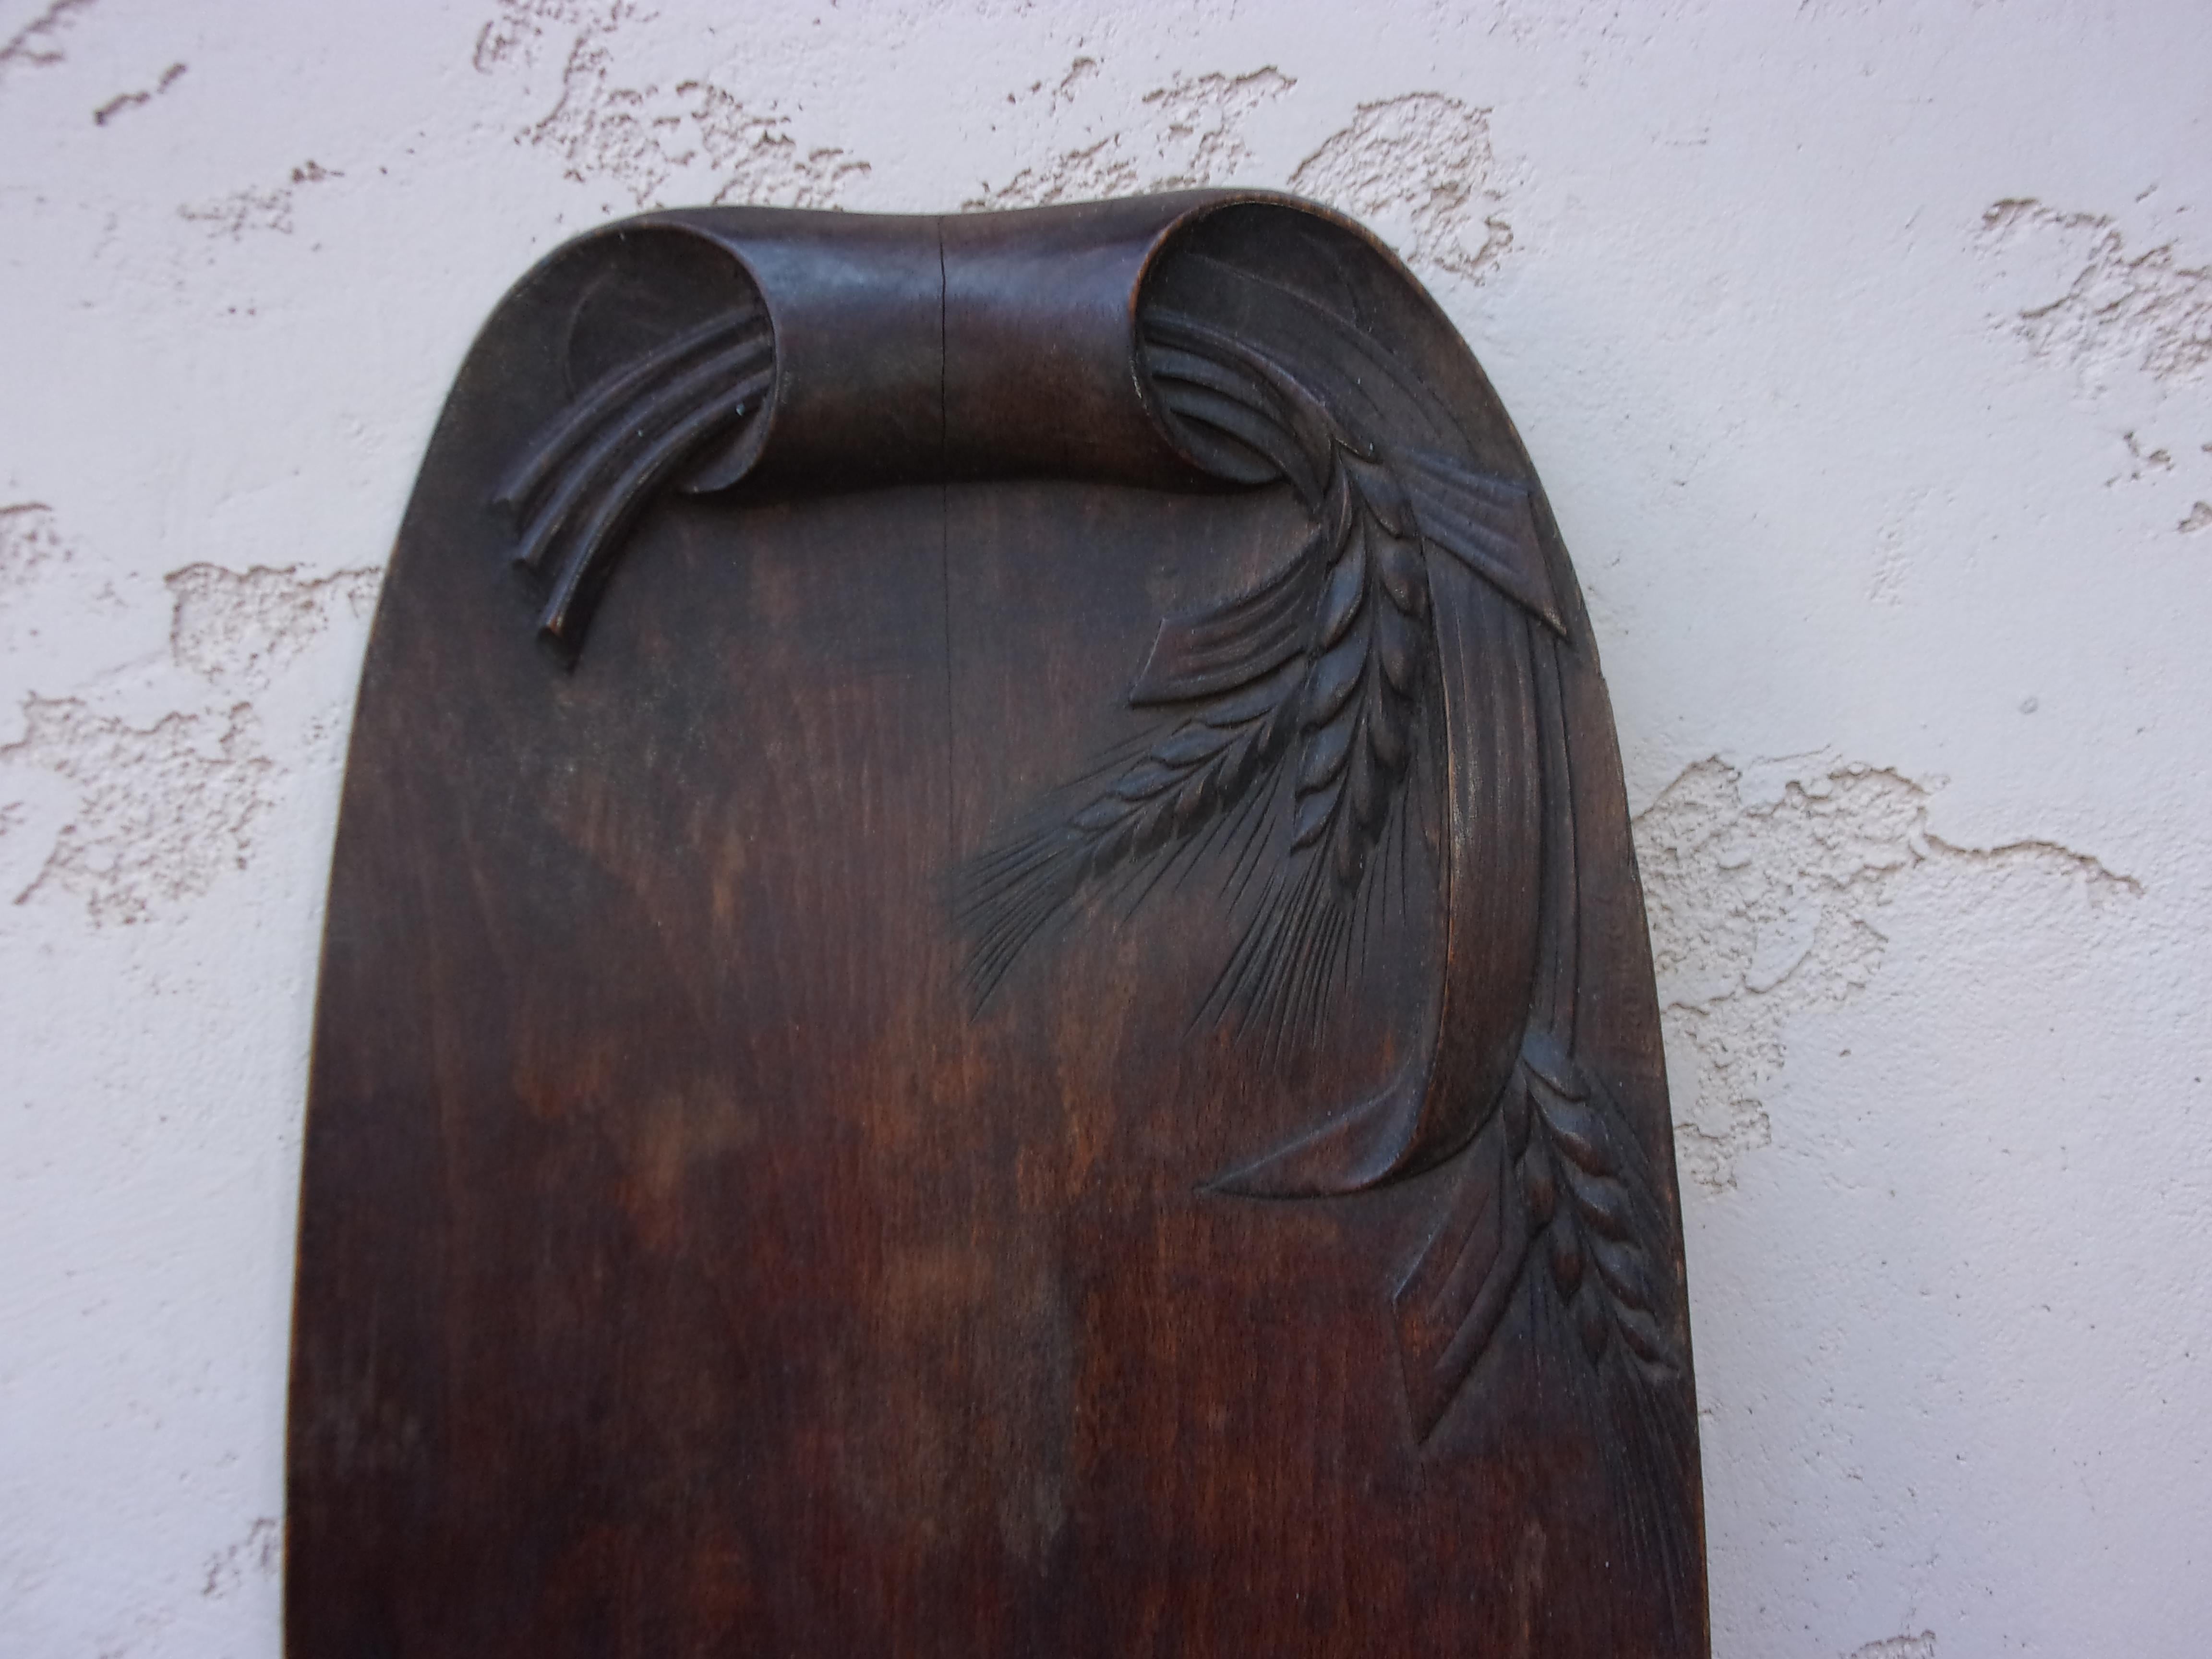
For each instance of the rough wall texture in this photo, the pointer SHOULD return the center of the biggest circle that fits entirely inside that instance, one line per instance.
(1867, 351)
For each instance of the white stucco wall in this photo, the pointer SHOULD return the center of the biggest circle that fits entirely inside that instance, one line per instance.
(1866, 351)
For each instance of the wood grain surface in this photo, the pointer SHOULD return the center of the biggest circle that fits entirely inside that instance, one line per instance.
(794, 1163)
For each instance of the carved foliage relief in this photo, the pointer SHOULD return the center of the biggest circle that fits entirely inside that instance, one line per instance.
(1416, 667)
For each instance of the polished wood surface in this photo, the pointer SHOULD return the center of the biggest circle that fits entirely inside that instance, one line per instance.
(984, 991)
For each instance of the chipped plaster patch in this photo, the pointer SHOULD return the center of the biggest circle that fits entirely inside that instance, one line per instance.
(1893, 572)
(640, 138)
(755, 160)
(1080, 71)
(30, 542)
(2141, 462)
(259, 1555)
(240, 629)
(691, 139)
(1898, 544)
(242, 211)
(1761, 910)
(160, 811)
(130, 101)
(36, 45)
(2113, 309)
(1188, 133)
(1922, 1646)
(1419, 169)
(2199, 517)
(518, 28)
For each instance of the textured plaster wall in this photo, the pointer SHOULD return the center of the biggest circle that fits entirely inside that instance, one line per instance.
(1866, 352)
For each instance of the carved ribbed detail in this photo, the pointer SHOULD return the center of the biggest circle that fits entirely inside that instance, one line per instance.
(1314, 697)
(684, 416)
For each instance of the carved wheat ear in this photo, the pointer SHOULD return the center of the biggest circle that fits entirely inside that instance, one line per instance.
(1357, 713)
(1305, 691)
(1207, 773)
(1586, 1205)
(1555, 1189)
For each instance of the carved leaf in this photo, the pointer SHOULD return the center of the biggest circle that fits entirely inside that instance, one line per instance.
(1488, 524)
(1229, 645)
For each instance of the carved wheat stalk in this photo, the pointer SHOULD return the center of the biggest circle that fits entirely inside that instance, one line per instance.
(1582, 1204)
(1307, 688)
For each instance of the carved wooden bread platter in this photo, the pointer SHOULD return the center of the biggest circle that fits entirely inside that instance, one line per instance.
(984, 991)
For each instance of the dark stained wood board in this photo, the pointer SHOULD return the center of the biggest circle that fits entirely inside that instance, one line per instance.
(728, 1227)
